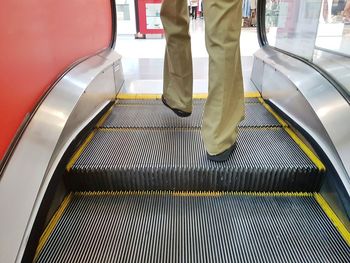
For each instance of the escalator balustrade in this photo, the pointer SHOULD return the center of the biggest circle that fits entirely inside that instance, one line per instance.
(143, 191)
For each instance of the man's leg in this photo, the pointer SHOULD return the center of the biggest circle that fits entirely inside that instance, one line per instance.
(224, 108)
(178, 75)
(347, 12)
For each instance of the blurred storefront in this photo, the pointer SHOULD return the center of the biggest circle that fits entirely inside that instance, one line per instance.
(126, 17)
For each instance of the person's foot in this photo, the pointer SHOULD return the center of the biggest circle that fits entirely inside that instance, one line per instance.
(178, 112)
(222, 157)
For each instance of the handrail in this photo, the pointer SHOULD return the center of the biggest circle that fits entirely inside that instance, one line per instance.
(261, 28)
(114, 24)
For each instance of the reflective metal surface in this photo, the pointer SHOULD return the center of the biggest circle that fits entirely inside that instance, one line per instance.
(333, 34)
(73, 102)
(290, 23)
(257, 74)
(336, 65)
(311, 101)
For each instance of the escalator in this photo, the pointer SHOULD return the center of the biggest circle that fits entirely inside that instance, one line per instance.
(86, 176)
(142, 190)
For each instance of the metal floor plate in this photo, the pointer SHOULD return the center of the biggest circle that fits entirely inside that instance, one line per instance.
(157, 159)
(168, 228)
(158, 116)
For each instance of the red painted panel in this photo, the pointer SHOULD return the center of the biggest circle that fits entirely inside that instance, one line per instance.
(38, 41)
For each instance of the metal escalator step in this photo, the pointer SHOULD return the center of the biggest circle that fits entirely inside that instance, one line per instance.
(167, 228)
(158, 116)
(251, 100)
(158, 101)
(132, 159)
(153, 102)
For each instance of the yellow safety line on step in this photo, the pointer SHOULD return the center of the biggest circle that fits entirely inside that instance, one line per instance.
(104, 117)
(269, 109)
(195, 193)
(252, 94)
(306, 150)
(130, 96)
(80, 150)
(53, 222)
(87, 140)
(292, 134)
(333, 217)
(200, 96)
(115, 129)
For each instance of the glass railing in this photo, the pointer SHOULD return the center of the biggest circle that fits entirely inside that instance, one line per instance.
(333, 33)
(126, 17)
(315, 30)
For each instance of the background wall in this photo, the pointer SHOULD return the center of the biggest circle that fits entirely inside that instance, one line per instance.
(39, 40)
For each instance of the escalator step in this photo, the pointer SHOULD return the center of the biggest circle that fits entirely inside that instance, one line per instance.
(158, 101)
(251, 100)
(156, 159)
(154, 102)
(158, 116)
(141, 227)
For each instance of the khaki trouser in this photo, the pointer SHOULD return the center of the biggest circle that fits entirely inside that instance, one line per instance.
(224, 107)
(347, 11)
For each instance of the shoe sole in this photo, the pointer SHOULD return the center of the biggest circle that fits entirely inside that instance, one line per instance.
(178, 112)
(222, 157)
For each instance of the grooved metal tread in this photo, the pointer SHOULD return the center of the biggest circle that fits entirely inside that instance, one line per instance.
(157, 159)
(158, 101)
(158, 116)
(168, 228)
(154, 102)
